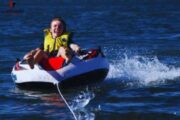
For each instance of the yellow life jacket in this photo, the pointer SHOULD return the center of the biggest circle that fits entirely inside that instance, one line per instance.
(49, 44)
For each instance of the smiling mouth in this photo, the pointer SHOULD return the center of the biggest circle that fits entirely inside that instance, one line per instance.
(56, 31)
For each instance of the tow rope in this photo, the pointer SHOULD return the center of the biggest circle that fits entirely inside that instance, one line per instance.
(57, 85)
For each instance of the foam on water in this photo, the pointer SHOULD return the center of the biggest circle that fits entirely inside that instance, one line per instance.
(81, 100)
(79, 103)
(142, 69)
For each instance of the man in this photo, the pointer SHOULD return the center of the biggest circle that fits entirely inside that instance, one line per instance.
(57, 42)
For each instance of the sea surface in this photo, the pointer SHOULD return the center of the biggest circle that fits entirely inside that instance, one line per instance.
(140, 38)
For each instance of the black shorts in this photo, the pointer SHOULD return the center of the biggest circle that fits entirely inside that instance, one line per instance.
(53, 54)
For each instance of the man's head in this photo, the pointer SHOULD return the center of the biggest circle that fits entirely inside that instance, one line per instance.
(57, 27)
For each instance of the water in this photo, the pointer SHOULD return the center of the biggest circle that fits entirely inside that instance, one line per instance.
(141, 40)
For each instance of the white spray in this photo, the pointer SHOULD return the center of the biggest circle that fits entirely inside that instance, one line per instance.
(144, 70)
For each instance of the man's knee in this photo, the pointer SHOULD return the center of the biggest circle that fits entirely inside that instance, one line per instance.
(37, 49)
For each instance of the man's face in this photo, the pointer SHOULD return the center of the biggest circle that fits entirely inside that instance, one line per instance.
(56, 28)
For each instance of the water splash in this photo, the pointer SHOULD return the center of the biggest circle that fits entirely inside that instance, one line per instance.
(142, 69)
(81, 100)
(79, 103)
(85, 115)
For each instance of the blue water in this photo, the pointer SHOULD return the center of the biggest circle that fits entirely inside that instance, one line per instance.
(140, 38)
